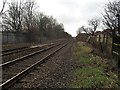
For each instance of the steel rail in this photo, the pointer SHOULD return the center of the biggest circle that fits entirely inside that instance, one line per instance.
(17, 77)
(26, 56)
(22, 49)
(13, 49)
(12, 52)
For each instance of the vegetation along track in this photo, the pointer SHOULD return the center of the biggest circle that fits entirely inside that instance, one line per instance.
(22, 68)
(19, 52)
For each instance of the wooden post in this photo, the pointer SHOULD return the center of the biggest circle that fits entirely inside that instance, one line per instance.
(101, 48)
(106, 39)
(99, 38)
(103, 39)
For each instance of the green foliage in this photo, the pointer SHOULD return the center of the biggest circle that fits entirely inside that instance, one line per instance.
(91, 72)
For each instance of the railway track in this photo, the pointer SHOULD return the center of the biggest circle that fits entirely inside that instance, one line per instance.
(19, 52)
(20, 49)
(26, 64)
(35, 50)
(23, 57)
(24, 46)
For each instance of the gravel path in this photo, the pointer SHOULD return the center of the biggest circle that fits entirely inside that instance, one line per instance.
(56, 72)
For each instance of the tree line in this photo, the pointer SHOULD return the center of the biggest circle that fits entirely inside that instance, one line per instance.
(110, 19)
(107, 40)
(21, 16)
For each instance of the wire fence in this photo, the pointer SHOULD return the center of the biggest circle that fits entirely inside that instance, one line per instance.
(13, 37)
(102, 41)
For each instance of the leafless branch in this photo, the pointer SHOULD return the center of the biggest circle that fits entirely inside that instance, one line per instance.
(4, 2)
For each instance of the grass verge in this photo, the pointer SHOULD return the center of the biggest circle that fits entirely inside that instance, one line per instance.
(92, 71)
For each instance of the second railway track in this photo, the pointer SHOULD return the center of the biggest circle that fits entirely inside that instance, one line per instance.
(19, 52)
(14, 72)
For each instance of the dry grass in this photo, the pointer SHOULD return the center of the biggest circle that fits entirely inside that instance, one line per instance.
(93, 70)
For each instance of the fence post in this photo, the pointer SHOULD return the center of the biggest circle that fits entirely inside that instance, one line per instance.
(103, 39)
(106, 39)
(100, 44)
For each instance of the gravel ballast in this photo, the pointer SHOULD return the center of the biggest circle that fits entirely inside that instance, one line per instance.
(56, 72)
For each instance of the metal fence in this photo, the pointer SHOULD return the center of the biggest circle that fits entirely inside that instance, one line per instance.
(13, 37)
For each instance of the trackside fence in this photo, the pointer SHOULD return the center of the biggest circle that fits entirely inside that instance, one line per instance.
(109, 46)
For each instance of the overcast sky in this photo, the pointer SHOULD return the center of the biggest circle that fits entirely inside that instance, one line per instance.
(72, 13)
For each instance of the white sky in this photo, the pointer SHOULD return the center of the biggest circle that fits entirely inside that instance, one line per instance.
(72, 13)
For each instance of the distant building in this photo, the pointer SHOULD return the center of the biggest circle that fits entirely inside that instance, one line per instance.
(82, 37)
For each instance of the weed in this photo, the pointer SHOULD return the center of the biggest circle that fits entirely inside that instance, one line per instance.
(92, 73)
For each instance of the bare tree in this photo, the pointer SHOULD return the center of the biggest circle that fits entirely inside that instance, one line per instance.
(94, 23)
(29, 7)
(90, 31)
(47, 26)
(111, 10)
(3, 6)
(22, 17)
(80, 29)
(84, 29)
(12, 19)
